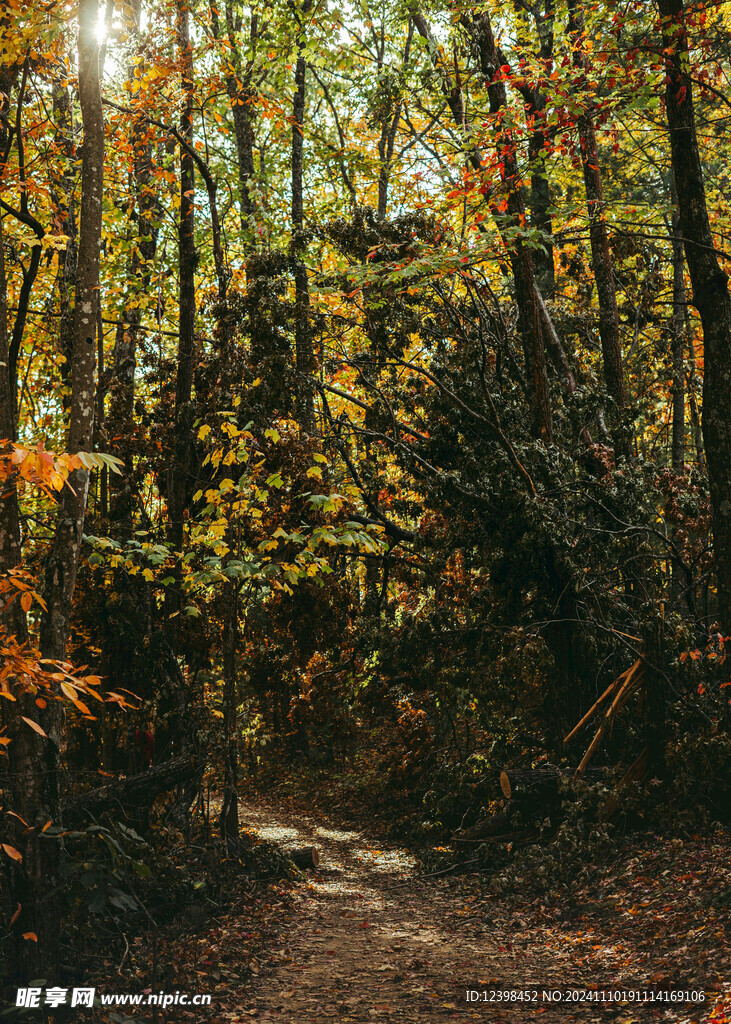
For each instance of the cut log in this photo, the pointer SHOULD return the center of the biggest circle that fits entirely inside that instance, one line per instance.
(125, 797)
(534, 783)
(308, 857)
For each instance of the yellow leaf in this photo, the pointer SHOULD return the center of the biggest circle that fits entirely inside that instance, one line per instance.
(148, 575)
(35, 726)
(12, 852)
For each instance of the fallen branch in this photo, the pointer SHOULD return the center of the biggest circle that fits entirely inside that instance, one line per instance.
(131, 793)
(631, 683)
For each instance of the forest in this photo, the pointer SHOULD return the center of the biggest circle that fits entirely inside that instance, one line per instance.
(365, 507)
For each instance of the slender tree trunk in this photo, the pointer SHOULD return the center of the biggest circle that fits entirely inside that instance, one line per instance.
(600, 253)
(34, 759)
(229, 820)
(143, 238)
(13, 620)
(387, 141)
(538, 143)
(678, 348)
(526, 292)
(63, 563)
(304, 355)
(65, 203)
(241, 96)
(695, 419)
(187, 259)
(710, 288)
(30, 272)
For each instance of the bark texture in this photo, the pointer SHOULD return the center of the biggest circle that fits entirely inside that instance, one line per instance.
(526, 292)
(145, 217)
(34, 760)
(304, 355)
(678, 349)
(510, 224)
(187, 260)
(599, 239)
(710, 288)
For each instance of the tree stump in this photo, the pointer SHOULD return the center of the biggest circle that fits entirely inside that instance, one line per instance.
(308, 857)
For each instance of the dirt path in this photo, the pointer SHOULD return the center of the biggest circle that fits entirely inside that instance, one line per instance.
(370, 940)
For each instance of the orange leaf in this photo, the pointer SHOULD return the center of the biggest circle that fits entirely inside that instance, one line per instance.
(12, 852)
(35, 726)
(26, 600)
(15, 916)
(30, 935)
(47, 825)
(19, 818)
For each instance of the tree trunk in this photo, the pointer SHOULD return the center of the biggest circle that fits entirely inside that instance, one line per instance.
(13, 619)
(710, 288)
(33, 758)
(526, 294)
(229, 820)
(655, 705)
(600, 254)
(144, 235)
(187, 260)
(678, 349)
(65, 210)
(302, 329)
(241, 96)
(538, 144)
(387, 141)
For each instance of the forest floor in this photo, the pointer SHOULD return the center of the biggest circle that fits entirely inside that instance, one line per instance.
(367, 938)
